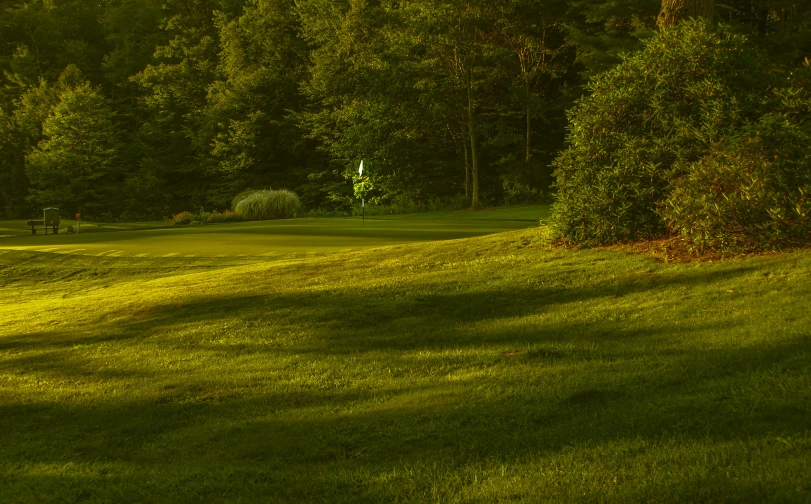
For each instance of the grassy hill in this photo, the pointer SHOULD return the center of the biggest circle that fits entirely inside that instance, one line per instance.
(482, 369)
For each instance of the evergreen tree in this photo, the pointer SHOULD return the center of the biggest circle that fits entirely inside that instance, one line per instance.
(174, 169)
(13, 182)
(76, 164)
(251, 107)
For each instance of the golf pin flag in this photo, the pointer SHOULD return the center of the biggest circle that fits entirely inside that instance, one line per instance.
(360, 172)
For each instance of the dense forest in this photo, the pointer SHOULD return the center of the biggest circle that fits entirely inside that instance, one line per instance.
(138, 109)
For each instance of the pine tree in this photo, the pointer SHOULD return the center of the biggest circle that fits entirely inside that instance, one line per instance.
(76, 164)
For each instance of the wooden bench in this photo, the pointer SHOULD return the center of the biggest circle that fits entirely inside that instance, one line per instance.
(34, 223)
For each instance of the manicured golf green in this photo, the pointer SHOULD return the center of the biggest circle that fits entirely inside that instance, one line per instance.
(494, 368)
(284, 238)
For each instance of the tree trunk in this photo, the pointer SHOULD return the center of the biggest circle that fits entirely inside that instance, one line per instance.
(467, 166)
(474, 154)
(474, 200)
(675, 11)
(529, 120)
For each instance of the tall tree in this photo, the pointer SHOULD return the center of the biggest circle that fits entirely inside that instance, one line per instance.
(250, 110)
(538, 67)
(364, 103)
(174, 171)
(76, 164)
(13, 181)
(604, 31)
(20, 132)
(460, 63)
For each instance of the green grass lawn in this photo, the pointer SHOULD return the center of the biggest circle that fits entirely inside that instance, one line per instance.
(17, 228)
(484, 369)
(276, 239)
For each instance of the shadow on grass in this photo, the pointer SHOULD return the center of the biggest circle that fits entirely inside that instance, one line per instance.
(310, 456)
(384, 317)
(554, 392)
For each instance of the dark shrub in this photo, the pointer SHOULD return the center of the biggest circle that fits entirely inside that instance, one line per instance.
(644, 122)
(753, 190)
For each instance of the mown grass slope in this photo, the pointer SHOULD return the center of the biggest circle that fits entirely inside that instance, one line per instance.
(288, 238)
(484, 369)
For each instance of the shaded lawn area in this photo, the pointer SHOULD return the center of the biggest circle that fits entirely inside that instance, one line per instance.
(478, 370)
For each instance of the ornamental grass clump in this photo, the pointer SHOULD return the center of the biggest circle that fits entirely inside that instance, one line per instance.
(241, 196)
(267, 204)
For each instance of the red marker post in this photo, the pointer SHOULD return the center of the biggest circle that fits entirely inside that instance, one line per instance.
(78, 221)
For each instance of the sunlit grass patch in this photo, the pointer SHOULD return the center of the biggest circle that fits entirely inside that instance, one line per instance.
(289, 238)
(486, 369)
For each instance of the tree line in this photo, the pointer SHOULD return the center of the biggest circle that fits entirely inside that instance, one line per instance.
(137, 109)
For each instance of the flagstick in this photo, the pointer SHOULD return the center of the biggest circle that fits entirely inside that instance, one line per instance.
(363, 196)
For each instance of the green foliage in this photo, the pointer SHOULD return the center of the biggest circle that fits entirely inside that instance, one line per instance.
(270, 204)
(605, 31)
(249, 119)
(13, 181)
(781, 27)
(183, 218)
(753, 190)
(226, 216)
(647, 119)
(213, 96)
(407, 206)
(518, 190)
(76, 163)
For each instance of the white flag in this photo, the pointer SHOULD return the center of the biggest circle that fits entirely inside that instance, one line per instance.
(360, 170)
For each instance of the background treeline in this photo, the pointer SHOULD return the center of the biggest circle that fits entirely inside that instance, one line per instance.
(138, 109)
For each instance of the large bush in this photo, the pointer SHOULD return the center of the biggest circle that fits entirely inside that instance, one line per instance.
(264, 205)
(752, 190)
(646, 122)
